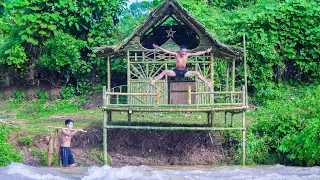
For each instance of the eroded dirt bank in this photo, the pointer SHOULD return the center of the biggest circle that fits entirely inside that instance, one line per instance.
(137, 147)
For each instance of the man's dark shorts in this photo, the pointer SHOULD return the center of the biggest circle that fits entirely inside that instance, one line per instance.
(180, 73)
(66, 156)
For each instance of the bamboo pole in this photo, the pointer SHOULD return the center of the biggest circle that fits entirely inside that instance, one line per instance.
(173, 128)
(105, 135)
(129, 115)
(128, 76)
(64, 128)
(109, 77)
(243, 128)
(131, 94)
(233, 78)
(245, 67)
(233, 74)
(158, 96)
(235, 105)
(212, 77)
(212, 118)
(173, 109)
(169, 61)
(227, 77)
(109, 114)
(234, 93)
(189, 95)
(232, 119)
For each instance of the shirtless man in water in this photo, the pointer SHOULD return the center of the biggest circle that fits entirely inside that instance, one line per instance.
(65, 151)
(181, 61)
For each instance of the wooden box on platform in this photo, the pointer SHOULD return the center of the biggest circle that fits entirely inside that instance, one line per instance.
(178, 92)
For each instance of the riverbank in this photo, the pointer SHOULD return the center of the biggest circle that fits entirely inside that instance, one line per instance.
(28, 121)
(131, 147)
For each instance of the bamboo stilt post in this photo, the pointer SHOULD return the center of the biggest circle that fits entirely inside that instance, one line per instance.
(233, 78)
(208, 117)
(243, 127)
(129, 115)
(109, 114)
(212, 118)
(225, 117)
(166, 89)
(105, 138)
(245, 67)
(109, 77)
(227, 77)
(158, 95)
(128, 76)
(232, 119)
(197, 86)
(109, 86)
(212, 77)
(189, 95)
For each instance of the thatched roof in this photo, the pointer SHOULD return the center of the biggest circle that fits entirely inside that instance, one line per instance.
(171, 7)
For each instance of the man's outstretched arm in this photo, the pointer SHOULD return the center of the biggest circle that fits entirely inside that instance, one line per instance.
(200, 52)
(164, 50)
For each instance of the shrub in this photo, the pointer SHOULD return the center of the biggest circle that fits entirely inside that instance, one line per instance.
(7, 152)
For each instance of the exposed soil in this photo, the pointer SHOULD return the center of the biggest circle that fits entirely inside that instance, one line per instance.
(138, 147)
(134, 147)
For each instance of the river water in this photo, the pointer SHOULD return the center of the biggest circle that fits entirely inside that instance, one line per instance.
(23, 172)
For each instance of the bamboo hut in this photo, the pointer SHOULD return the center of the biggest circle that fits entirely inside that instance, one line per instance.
(170, 25)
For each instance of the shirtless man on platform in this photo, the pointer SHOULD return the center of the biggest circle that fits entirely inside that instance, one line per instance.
(65, 151)
(181, 61)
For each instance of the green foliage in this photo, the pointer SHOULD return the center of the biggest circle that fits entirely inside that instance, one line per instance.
(7, 152)
(68, 92)
(281, 36)
(288, 128)
(26, 141)
(12, 53)
(43, 155)
(19, 95)
(42, 95)
(61, 29)
(62, 54)
(230, 4)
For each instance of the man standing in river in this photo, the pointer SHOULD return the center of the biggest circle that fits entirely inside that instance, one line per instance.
(181, 62)
(65, 151)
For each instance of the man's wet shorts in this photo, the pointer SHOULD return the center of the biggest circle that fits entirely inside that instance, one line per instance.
(66, 156)
(180, 73)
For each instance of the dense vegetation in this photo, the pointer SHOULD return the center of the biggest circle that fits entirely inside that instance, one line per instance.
(7, 152)
(51, 43)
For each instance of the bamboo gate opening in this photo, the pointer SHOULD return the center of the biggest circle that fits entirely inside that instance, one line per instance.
(223, 66)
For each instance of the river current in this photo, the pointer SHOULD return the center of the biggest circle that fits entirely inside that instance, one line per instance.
(23, 172)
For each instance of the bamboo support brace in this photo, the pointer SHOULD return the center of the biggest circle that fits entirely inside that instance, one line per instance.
(131, 94)
(189, 95)
(158, 96)
(231, 93)
(171, 128)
